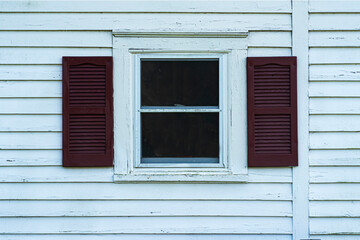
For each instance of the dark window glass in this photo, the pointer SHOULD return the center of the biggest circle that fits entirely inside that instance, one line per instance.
(180, 83)
(180, 135)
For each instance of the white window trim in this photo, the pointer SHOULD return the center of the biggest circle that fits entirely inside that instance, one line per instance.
(231, 49)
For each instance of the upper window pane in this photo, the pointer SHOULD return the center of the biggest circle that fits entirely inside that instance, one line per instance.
(185, 82)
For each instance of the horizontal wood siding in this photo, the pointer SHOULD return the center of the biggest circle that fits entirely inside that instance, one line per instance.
(334, 120)
(42, 200)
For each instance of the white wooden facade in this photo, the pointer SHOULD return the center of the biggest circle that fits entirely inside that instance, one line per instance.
(320, 199)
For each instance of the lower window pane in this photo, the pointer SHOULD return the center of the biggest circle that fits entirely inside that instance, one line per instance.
(180, 137)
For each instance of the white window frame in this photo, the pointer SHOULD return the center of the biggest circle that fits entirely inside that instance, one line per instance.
(231, 50)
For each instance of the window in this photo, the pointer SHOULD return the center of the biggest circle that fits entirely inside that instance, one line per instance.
(180, 106)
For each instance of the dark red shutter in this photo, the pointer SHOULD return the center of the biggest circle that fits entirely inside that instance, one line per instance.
(87, 111)
(272, 112)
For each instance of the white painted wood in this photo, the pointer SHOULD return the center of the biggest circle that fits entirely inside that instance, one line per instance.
(30, 72)
(38, 88)
(110, 191)
(334, 89)
(334, 73)
(267, 175)
(331, 21)
(46, 55)
(144, 208)
(332, 123)
(30, 106)
(263, 52)
(150, 237)
(158, 225)
(336, 237)
(26, 140)
(56, 39)
(334, 39)
(335, 106)
(335, 6)
(333, 140)
(345, 226)
(282, 6)
(335, 157)
(334, 55)
(30, 158)
(335, 208)
(170, 22)
(38, 123)
(335, 191)
(335, 174)
(269, 39)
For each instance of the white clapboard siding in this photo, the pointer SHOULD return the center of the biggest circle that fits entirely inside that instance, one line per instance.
(334, 157)
(333, 21)
(46, 55)
(28, 140)
(335, 106)
(334, 89)
(335, 237)
(333, 140)
(269, 39)
(30, 157)
(170, 22)
(332, 123)
(157, 225)
(334, 55)
(60, 174)
(111, 191)
(30, 106)
(334, 73)
(56, 39)
(144, 208)
(30, 72)
(227, 6)
(258, 52)
(335, 226)
(168, 236)
(335, 174)
(37, 123)
(335, 6)
(38, 89)
(335, 191)
(334, 39)
(335, 208)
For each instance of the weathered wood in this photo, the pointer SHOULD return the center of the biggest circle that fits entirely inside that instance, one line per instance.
(269, 39)
(334, 89)
(334, 73)
(30, 158)
(336, 237)
(30, 72)
(30, 106)
(262, 52)
(38, 88)
(331, 140)
(144, 208)
(335, 191)
(344, 226)
(210, 225)
(335, 106)
(335, 208)
(38, 140)
(47, 55)
(334, 55)
(110, 191)
(333, 6)
(23, 123)
(335, 174)
(332, 21)
(334, 123)
(334, 157)
(334, 39)
(170, 22)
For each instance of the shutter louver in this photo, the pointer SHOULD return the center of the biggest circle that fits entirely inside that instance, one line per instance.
(87, 112)
(272, 111)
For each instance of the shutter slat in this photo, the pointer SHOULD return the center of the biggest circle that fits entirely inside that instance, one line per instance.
(272, 111)
(87, 112)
